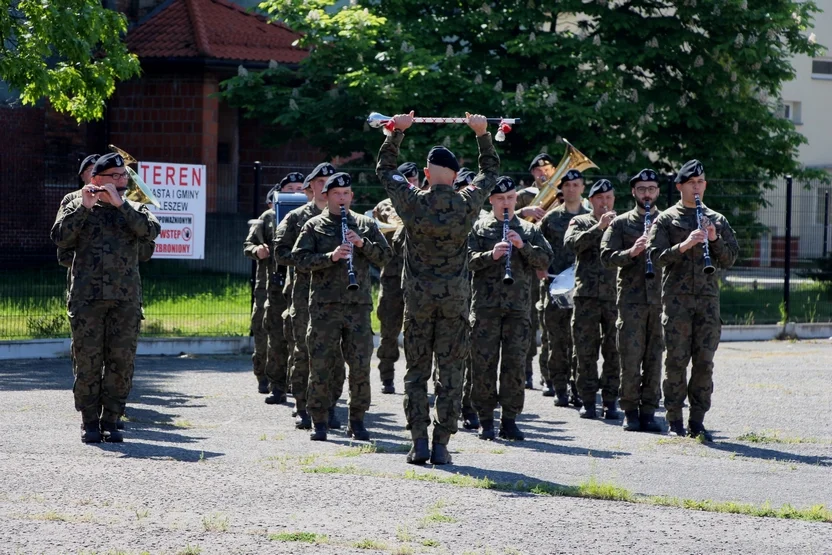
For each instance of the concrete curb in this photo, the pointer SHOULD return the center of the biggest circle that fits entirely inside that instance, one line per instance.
(174, 346)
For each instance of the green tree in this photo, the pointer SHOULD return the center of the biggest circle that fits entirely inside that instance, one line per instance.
(630, 83)
(69, 51)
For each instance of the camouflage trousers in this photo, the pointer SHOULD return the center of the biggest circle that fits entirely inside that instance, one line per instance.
(390, 313)
(691, 334)
(277, 354)
(531, 352)
(499, 337)
(289, 335)
(300, 363)
(560, 366)
(640, 347)
(467, 405)
(337, 333)
(104, 339)
(593, 327)
(543, 357)
(440, 331)
(261, 339)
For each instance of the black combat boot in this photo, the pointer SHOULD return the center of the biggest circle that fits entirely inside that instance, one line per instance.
(276, 398)
(110, 433)
(419, 451)
(356, 430)
(610, 412)
(588, 411)
(574, 399)
(487, 431)
(303, 422)
(510, 431)
(387, 387)
(263, 385)
(648, 423)
(91, 432)
(120, 424)
(333, 422)
(440, 455)
(562, 399)
(529, 381)
(632, 423)
(550, 389)
(470, 421)
(677, 428)
(320, 432)
(697, 430)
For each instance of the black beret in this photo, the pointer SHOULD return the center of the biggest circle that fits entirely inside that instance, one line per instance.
(91, 159)
(294, 177)
(600, 186)
(324, 169)
(571, 175)
(106, 162)
(340, 179)
(541, 160)
(409, 169)
(504, 185)
(463, 179)
(441, 156)
(692, 168)
(644, 175)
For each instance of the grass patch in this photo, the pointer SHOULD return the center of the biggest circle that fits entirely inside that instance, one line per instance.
(302, 537)
(363, 449)
(185, 424)
(403, 534)
(215, 522)
(190, 550)
(403, 550)
(437, 518)
(428, 542)
(774, 437)
(369, 544)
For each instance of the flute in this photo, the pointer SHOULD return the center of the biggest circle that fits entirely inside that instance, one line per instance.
(508, 279)
(709, 268)
(649, 274)
(353, 284)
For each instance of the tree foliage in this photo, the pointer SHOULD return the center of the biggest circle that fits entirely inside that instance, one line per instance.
(630, 83)
(69, 51)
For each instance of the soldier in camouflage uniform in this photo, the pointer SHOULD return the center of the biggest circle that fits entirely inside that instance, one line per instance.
(285, 238)
(339, 318)
(435, 280)
(593, 320)
(500, 313)
(390, 309)
(105, 293)
(560, 367)
(690, 298)
(639, 331)
(255, 248)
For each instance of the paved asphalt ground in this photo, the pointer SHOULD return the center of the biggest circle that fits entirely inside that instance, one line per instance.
(207, 467)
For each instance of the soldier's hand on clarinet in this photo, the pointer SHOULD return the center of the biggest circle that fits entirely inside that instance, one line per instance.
(262, 252)
(606, 219)
(90, 196)
(500, 250)
(696, 237)
(639, 246)
(403, 121)
(342, 252)
(536, 213)
(514, 238)
(708, 225)
(355, 239)
(478, 123)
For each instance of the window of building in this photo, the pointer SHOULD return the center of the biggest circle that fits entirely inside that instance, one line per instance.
(821, 69)
(791, 111)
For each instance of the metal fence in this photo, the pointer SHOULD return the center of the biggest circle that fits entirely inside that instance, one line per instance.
(780, 275)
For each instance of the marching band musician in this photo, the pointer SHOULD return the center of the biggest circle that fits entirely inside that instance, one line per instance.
(638, 328)
(500, 312)
(690, 297)
(339, 318)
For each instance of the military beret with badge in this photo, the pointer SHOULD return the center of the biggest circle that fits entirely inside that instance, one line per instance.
(504, 185)
(464, 178)
(441, 156)
(644, 175)
(541, 159)
(293, 177)
(571, 175)
(692, 168)
(88, 161)
(600, 186)
(338, 180)
(409, 169)
(324, 169)
(107, 162)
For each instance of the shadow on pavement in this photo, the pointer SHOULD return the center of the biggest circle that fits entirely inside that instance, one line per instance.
(768, 454)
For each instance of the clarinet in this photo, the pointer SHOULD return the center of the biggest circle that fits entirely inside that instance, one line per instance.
(649, 274)
(709, 268)
(508, 279)
(353, 285)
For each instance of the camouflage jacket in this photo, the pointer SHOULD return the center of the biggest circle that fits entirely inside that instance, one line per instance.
(145, 246)
(553, 227)
(438, 222)
(489, 291)
(393, 268)
(319, 237)
(525, 197)
(592, 279)
(105, 240)
(268, 273)
(683, 273)
(633, 287)
(297, 282)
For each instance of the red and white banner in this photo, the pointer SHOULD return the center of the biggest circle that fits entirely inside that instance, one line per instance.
(181, 190)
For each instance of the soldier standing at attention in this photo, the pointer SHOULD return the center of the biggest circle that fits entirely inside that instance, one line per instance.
(339, 318)
(105, 294)
(285, 238)
(500, 312)
(390, 309)
(690, 297)
(560, 368)
(639, 329)
(435, 280)
(593, 320)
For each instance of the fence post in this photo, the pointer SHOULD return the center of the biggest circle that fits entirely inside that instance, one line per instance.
(825, 223)
(258, 174)
(787, 263)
